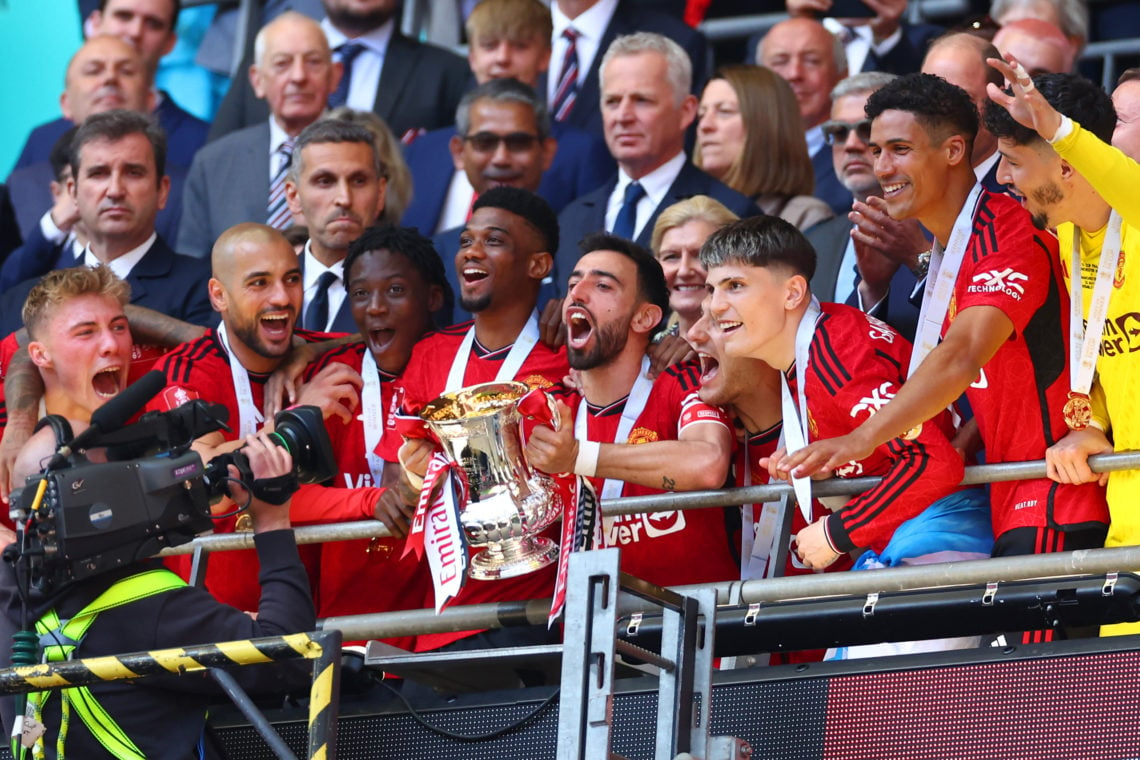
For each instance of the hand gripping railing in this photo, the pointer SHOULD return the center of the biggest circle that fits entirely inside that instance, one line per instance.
(322, 647)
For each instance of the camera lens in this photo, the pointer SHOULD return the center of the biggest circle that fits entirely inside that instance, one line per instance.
(301, 431)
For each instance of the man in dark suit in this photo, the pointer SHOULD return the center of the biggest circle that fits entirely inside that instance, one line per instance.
(812, 61)
(645, 82)
(336, 187)
(960, 59)
(149, 26)
(508, 39)
(864, 258)
(594, 25)
(411, 85)
(118, 159)
(231, 179)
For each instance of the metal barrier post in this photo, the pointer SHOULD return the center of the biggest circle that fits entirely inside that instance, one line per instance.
(585, 710)
(324, 697)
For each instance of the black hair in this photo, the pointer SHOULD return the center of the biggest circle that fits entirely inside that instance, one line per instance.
(760, 241)
(942, 109)
(1072, 95)
(651, 285)
(113, 126)
(60, 155)
(533, 208)
(409, 243)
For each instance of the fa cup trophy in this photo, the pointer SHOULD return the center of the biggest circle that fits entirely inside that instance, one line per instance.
(508, 504)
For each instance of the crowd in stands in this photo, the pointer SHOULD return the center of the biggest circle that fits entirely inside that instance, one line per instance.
(716, 269)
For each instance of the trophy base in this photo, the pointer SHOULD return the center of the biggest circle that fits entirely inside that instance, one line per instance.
(512, 558)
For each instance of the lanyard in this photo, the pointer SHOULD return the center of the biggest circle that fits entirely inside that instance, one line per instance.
(520, 350)
(249, 416)
(941, 279)
(796, 435)
(634, 406)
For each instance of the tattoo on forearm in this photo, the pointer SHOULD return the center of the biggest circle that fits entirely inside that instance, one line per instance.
(668, 483)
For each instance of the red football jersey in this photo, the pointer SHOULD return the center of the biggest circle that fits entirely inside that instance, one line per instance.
(667, 548)
(201, 369)
(363, 576)
(855, 366)
(1019, 395)
(424, 379)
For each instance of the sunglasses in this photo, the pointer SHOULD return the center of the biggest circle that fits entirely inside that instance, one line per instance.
(837, 131)
(488, 142)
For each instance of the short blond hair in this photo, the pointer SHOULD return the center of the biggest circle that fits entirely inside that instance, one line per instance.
(698, 208)
(510, 19)
(61, 285)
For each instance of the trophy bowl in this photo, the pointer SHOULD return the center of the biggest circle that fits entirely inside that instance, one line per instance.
(508, 504)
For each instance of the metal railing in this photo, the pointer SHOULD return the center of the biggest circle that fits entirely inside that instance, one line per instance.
(322, 647)
(535, 611)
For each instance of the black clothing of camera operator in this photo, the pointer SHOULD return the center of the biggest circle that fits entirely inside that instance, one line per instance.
(164, 715)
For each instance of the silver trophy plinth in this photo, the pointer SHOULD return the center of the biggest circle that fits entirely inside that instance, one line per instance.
(508, 503)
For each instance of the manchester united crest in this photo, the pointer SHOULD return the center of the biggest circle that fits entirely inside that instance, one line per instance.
(642, 435)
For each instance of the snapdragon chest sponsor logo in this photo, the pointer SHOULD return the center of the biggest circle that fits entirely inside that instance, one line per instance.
(1006, 281)
(624, 530)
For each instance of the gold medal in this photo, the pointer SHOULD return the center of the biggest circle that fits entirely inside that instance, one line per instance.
(244, 523)
(1078, 411)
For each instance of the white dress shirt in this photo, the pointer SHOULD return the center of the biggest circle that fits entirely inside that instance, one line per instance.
(591, 26)
(313, 271)
(655, 184)
(457, 202)
(277, 138)
(121, 265)
(367, 65)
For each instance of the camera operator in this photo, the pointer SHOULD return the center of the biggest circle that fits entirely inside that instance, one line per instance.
(164, 717)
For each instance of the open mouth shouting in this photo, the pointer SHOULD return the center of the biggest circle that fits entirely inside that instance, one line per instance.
(579, 327)
(277, 325)
(472, 274)
(710, 367)
(108, 381)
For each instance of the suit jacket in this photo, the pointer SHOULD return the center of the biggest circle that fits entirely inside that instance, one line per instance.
(581, 164)
(630, 17)
(828, 188)
(162, 280)
(228, 184)
(904, 58)
(588, 213)
(420, 87)
(30, 187)
(185, 134)
(829, 239)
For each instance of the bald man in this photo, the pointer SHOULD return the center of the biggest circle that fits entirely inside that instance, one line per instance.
(234, 179)
(812, 61)
(1039, 46)
(960, 59)
(256, 288)
(104, 74)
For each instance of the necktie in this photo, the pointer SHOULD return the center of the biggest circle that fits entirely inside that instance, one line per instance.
(567, 90)
(278, 215)
(348, 52)
(627, 215)
(317, 315)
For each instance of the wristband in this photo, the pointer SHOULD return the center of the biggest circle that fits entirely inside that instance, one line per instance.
(586, 464)
(1064, 129)
(275, 491)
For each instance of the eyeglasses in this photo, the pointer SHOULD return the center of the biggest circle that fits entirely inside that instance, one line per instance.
(837, 131)
(488, 142)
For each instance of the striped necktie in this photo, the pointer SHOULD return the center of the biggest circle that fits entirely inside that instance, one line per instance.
(567, 91)
(278, 215)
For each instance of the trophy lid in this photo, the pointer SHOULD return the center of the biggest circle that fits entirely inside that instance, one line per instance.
(474, 401)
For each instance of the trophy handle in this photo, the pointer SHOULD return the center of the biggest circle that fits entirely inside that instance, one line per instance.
(537, 408)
